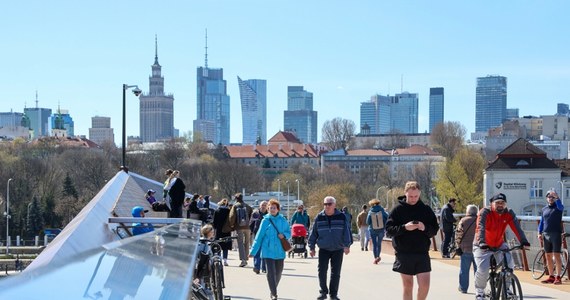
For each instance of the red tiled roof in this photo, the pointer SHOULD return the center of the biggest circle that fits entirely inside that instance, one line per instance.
(283, 137)
(286, 150)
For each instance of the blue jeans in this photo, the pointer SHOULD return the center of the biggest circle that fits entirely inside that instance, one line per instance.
(258, 263)
(466, 261)
(335, 257)
(376, 235)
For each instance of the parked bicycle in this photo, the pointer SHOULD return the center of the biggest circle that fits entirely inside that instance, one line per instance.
(503, 284)
(539, 263)
(208, 282)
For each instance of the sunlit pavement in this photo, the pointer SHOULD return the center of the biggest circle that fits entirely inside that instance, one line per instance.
(361, 279)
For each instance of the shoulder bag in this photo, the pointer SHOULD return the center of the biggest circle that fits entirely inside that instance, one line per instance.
(284, 242)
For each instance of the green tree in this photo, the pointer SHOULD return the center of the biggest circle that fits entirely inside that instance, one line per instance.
(68, 187)
(462, 178)
(35, 221)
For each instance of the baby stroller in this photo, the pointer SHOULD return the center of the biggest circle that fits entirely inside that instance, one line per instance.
(298, 240)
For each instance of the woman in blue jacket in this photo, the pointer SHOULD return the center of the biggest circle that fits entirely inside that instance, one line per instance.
(273, 227)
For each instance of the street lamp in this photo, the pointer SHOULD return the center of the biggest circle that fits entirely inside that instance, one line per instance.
(28, 218)
(562, 191)
(287, 182)
(7, 214)
(278, 189)
(137, 92)
(298, 191)
(379, 190)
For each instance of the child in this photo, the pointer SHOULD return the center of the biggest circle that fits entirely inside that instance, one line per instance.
(206, 234)
(156, 206)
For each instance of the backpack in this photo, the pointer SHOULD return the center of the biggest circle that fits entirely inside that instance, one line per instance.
(377, 220)
(242, 216)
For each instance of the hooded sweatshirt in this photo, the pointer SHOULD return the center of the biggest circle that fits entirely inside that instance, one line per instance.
(415, 241)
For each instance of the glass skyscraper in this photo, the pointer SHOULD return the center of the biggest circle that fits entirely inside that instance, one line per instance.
(66, 121)
(300, 116)
(39, 120)
(156, 108)
(253, 94)
(388, 114)
(490, 102)
(436, 102)
(376, 113)
(404, 113)
(213, 106)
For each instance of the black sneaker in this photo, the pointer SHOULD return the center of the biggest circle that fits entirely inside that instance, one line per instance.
(322, 297)
(334, 298)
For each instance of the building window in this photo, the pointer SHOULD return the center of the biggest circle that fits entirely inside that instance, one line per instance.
(536, 188)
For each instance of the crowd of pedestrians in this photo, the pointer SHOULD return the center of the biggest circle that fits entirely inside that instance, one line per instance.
(411, 225)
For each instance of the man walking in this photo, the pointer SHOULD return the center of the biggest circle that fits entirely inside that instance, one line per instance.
(256, 217)
(447, 222)
(412, 224)
(331, 232)
(363, 227)
(240, 213)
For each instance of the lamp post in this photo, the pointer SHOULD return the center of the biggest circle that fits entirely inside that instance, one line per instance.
(137, 92)
(287, 182)
(8, 217)
(298, 190)
(562, 191)
(28, 218)
(278, 189)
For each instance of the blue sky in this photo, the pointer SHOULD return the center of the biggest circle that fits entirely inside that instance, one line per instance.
(79, 53)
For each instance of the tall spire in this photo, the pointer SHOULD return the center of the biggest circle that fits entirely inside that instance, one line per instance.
(36, 98)
(206, 64)
(155, 49)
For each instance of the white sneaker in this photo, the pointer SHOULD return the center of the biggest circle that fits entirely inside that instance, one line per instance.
(479, 297)
(226, 262)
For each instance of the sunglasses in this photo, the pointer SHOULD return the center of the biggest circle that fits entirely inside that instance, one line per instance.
(551, 197)
(327, 204)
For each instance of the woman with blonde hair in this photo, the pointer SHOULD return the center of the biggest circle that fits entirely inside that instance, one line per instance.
(376, 221)
(220, 223)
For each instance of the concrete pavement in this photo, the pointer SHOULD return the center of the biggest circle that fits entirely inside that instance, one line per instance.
(360, 279)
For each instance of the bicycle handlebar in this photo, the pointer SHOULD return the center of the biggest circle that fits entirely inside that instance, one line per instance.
(516, 247)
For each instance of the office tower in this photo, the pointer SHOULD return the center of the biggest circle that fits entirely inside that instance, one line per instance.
(253, 94)
(376, 114)
(38, 119)
(11, 119)
(436, 103)
(66, 120)
(512, 113)
(156, 108)
(213, 104)
(490, 102)
(562, 109)
(404, 113)
(390, 114)
(101, 131)
(300, 116)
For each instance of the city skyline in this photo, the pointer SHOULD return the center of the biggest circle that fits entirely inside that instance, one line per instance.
(79, 57)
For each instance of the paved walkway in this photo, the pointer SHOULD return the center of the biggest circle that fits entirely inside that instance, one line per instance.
(361, 279)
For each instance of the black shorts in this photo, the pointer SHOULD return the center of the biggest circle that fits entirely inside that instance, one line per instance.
(412, 264)
(552, 242)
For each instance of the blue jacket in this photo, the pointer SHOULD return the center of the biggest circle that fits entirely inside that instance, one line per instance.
(330, 232)
(375, 209)
(300, 218)
(551, 217)
(266, 239)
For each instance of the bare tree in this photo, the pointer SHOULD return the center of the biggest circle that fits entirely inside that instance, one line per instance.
(336, 133)
(447, 138)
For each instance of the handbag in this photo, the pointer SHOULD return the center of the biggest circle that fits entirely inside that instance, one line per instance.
(284, 242)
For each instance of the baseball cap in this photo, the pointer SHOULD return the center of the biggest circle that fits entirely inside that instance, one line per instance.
(499, 196)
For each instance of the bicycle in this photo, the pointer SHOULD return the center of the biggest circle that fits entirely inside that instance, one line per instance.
(208, 282)
(503, 284)
(539, 262)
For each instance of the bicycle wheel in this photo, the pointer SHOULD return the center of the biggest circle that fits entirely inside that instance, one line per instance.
(217, 281)
(512, 290)
(564, 257)
(538, 267)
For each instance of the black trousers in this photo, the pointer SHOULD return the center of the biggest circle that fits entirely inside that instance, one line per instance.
(335, 258)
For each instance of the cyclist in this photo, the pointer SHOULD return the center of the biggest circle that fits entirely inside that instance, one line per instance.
(550, 232)
(491, 226)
